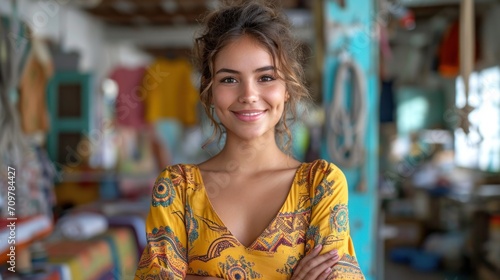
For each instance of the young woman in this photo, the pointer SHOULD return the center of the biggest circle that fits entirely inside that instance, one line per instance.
(251, 211)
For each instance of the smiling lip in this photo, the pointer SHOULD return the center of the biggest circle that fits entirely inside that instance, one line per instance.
(249, 115)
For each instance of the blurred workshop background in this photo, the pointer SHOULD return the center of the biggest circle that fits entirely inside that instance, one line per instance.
(97, 96)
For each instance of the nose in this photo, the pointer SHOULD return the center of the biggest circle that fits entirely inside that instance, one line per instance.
(248, 94)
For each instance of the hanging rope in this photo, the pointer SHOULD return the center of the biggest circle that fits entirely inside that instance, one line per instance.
(346, 126)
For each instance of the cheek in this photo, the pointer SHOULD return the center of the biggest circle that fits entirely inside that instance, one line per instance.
(221, 96)
(277, 97)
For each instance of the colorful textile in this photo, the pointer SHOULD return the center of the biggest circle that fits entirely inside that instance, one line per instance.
(128, 214)
(169, 92)
(124, 252)
(449, 51)
(185, 235)
(85, 259)
(30, 229)
(113, 253)
(130, 99)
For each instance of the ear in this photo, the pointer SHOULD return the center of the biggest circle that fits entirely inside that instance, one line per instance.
(287, 96)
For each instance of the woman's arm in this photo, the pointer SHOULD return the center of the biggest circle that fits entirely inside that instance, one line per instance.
(329, 224)
(165, 256)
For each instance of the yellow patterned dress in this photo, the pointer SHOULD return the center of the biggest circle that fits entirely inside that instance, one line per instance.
(185, 235)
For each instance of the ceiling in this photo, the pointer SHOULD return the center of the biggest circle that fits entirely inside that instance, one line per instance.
(159, 12)
(172, 13)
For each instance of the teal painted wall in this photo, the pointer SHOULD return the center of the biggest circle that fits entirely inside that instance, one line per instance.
(363, 48)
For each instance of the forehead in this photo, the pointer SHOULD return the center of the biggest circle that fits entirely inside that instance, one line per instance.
(243, 52)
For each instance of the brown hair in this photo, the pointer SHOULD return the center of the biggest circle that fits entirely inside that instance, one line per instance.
(271, 29)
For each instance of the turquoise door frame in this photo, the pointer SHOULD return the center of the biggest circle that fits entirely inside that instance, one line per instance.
(351, 29)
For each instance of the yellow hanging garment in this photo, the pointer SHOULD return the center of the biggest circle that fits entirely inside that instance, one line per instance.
(168, 91)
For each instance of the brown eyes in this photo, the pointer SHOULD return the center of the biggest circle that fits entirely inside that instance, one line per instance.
(231, 80)
(267, 78)
(228, 80)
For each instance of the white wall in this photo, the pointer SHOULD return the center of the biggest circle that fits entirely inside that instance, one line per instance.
(63, 23)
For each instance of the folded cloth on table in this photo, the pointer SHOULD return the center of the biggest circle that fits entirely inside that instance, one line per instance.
(81, 226)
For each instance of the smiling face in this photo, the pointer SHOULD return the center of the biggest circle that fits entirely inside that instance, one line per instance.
(248, 96)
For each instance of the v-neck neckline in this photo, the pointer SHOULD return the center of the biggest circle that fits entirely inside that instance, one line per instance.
(261, 235)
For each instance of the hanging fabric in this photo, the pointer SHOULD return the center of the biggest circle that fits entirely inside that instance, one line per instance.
(130, 100)
(30, 170)
(32, 89)
(12, 145)
(11, 141)
(169, 92)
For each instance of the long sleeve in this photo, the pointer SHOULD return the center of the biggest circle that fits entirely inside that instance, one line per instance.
(329, 224)
(165, 256)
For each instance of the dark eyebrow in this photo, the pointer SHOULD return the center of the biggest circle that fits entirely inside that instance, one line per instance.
(227, 71)
(265, 68)
(261, 69)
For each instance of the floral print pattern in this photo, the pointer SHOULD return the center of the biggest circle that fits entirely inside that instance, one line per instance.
(185, 235)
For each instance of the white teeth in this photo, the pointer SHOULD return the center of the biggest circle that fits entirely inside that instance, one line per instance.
(251, 114)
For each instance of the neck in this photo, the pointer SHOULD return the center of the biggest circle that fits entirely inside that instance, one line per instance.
(248, 156)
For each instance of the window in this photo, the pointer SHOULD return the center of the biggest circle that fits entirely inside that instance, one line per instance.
(481, 148)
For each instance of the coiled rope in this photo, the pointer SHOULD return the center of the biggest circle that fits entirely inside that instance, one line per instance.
(346, 126)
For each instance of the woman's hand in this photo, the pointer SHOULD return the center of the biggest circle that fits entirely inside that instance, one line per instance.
(315, 266)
